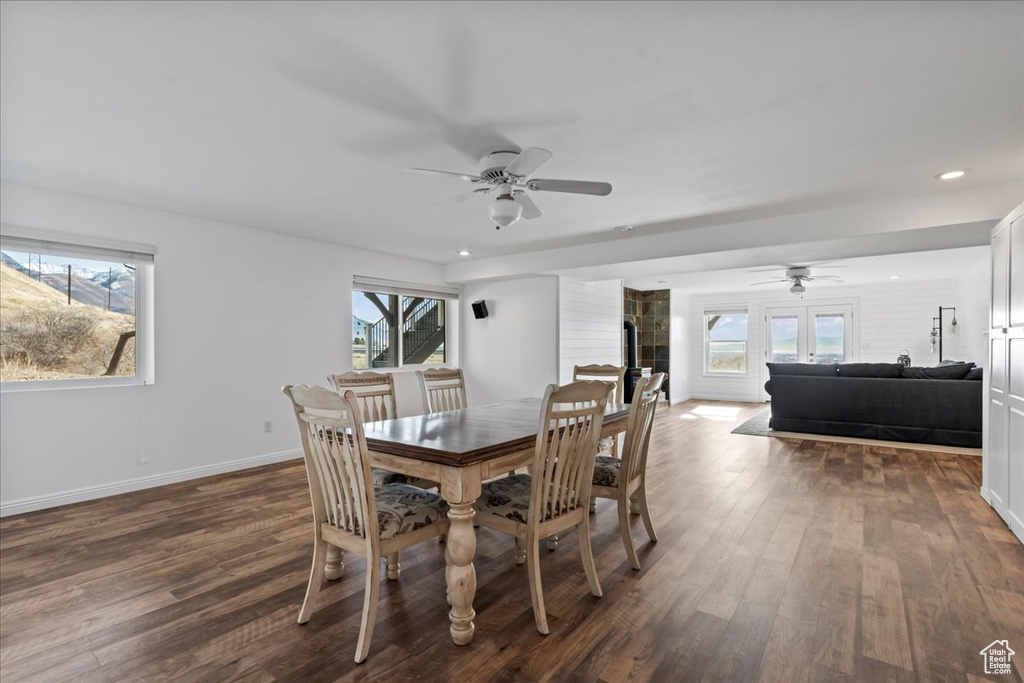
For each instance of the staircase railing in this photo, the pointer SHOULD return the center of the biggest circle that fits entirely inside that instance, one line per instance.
(421, 326)
(378, 341)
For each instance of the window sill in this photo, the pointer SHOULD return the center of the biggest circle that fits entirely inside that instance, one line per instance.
(726, 374)
(59, 384)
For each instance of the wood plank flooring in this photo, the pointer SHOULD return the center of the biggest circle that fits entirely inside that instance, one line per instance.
(778, 560)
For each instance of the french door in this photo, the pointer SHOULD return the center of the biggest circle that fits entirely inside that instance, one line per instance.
(809, 334)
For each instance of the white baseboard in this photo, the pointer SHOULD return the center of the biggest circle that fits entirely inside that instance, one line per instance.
(677, 401)
(17, 507)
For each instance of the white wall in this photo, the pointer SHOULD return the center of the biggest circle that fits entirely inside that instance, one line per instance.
(513, 352)
(589, 324)
(891, 316)
(238, 313)
(680, 360)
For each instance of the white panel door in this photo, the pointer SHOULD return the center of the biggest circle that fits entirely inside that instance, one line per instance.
(1015, 430)
(1004, 436)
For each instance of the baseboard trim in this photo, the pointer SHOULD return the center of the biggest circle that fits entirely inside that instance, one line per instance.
(50, 500)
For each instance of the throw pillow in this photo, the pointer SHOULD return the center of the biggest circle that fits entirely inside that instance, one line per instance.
(830, 370)
(975, 373)
(958, 371)
(888, 370)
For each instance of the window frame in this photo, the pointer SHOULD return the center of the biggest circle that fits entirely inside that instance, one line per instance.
(143, 256)
(724, 310)
(450, 297)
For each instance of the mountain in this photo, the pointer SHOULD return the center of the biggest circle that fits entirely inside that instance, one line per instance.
(90, 287)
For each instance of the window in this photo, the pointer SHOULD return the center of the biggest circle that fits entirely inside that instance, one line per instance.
(725, 342)
(71, 314)
(395, 325)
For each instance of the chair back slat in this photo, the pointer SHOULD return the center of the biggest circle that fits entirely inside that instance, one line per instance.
(563, 466)
(639, 427)
(442, 389)
(337, 464)
(374, 391)
(613, 374)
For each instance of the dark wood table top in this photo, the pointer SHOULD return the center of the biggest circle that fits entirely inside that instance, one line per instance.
(469, 436)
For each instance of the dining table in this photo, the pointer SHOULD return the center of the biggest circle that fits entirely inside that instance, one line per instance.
(460, 449)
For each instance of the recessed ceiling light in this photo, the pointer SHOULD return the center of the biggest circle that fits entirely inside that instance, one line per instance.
(463, 252)
(952, 175)
(624, 228)
(661, 282)
(894, 277)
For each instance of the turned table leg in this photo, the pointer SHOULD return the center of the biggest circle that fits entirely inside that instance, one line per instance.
(461, 487)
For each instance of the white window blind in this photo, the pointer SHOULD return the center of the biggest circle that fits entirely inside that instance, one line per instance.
(54, 248)
(370, 284)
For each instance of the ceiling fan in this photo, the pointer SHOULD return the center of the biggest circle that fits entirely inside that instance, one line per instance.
(797, 275)
(509, 175)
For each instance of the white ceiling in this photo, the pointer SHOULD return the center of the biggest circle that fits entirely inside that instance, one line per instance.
(932, 265)
(691, 110)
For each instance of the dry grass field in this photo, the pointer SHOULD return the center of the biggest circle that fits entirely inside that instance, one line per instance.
(42, 337)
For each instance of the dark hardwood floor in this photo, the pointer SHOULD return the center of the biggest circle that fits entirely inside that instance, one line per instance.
(778, 560)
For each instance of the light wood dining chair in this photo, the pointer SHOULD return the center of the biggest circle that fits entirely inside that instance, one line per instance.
(375, 399)
(442, 389)
(614, 375)
(554, 498)
(625, 479)
(349, 513)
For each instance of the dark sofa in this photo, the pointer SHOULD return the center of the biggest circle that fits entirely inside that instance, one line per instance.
(886, 401)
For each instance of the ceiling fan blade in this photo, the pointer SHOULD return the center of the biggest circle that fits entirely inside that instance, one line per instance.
(459, 199)
(830, 278)
(464, 176)
(768, 282)
(528, 161)
(530, 209)
(571, 186)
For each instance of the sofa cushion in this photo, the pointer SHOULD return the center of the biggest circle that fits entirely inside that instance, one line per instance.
(975, 374)
(958, 371)
(829, 370)
(887, 370)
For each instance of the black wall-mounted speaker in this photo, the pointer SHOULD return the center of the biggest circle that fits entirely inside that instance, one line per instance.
(480, 309)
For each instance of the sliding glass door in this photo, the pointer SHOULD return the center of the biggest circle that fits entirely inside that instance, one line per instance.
(809, 334)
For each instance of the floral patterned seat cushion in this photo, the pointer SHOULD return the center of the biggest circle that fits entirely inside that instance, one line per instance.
(402, 508)
(606, 471)
(382, 477)
(604, 446)
(506, 497)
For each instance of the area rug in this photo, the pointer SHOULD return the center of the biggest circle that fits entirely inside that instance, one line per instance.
(758, 426)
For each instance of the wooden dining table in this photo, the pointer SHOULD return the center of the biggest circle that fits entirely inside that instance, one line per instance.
(460, 449)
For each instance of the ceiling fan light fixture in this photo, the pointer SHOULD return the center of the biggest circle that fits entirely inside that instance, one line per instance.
(504, 211)
(798, 288)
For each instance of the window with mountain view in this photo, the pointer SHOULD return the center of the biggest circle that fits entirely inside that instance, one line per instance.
(392, 329)
(725, 342)
(67, 314)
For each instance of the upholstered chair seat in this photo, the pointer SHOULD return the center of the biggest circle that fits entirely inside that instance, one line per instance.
(384, 477)
(606, 471)
(402, 508)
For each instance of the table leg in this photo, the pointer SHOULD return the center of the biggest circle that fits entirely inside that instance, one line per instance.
(461, 487)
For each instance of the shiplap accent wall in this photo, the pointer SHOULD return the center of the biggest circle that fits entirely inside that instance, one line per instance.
(589, 324)
(973, 312)
(890, 317)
